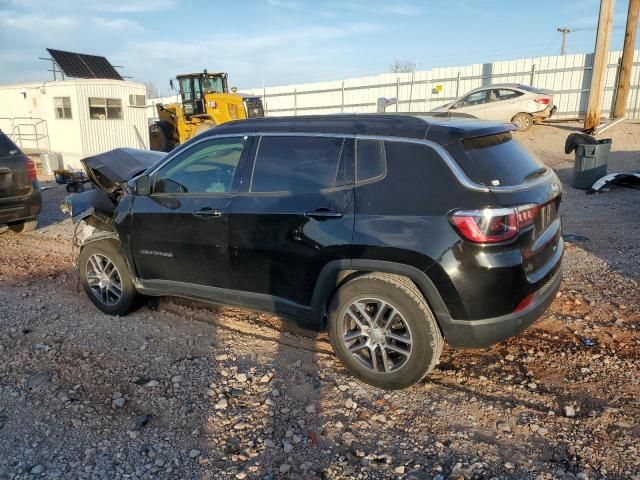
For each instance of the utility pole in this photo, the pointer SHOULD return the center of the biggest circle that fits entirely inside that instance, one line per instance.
(564, 31)
(599, 68)
(626, 63)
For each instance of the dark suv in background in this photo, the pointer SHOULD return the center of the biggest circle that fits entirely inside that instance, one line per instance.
(394, 232)
(20, 199)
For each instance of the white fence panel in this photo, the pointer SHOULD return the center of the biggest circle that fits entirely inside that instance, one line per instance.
(568, 76)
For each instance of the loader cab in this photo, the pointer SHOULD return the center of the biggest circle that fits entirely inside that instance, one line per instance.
(194, 87)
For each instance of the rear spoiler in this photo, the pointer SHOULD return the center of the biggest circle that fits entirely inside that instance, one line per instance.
(445, 132)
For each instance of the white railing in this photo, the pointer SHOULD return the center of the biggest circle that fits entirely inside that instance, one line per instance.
(26, 132)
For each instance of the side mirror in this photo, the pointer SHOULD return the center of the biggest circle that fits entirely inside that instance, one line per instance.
(141, 185)
(171, 84)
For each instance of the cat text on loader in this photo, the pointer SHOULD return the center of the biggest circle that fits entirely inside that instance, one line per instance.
(205, 102)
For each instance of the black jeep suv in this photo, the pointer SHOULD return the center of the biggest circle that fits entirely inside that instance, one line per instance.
(394, 232)
(20, 198)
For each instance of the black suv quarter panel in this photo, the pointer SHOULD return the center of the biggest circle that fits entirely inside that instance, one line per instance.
(402, 217)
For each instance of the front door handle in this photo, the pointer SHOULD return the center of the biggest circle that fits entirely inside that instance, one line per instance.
(5, 171)
(322, 213)
(208, 212)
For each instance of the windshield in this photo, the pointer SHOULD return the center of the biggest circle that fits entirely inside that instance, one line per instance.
(213, 85)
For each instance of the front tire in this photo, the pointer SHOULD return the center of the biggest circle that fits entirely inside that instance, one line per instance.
(523, 121)
(383, 330)
(105, 277)
(160, 138)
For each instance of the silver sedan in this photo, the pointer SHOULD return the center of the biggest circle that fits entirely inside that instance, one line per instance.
(508, 102)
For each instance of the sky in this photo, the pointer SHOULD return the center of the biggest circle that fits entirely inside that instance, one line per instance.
(281, 42)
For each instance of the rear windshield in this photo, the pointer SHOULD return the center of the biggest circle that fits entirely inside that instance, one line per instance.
(496, 160)
(7, 147)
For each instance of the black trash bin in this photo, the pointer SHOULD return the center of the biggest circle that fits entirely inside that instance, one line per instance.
(591, 163)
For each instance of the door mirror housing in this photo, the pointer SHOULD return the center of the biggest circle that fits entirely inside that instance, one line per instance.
(141, 185)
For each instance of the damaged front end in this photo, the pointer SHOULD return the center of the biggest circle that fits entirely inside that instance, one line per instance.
(109, 173)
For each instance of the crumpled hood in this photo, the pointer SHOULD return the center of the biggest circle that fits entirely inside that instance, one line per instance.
(108, 170)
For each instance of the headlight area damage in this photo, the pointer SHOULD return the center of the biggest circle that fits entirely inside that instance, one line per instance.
(109, 173)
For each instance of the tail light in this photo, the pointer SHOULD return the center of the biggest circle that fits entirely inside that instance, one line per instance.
(32, 173)
(493, 225)
(543, 100)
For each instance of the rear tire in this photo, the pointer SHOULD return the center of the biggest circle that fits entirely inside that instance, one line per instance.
(523, 121)
(383, 330)
(105, 277)
(24, 226)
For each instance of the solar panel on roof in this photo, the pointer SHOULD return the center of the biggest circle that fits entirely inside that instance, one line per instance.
(80, 65)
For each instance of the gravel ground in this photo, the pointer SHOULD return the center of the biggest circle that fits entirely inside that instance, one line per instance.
(190, 391)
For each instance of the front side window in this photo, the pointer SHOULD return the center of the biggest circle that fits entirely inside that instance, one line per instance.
(213, 85)
(105, 108)
(185, 89)
(63, 107)
(476, 98)
(296, 164)
(208, 167)
(196, 88)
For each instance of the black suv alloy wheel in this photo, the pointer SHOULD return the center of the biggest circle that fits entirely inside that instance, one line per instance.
(105, 277)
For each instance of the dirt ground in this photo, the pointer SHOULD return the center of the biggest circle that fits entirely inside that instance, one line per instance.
(195, 392)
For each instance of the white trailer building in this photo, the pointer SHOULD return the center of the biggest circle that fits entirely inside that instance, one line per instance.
(75, 118)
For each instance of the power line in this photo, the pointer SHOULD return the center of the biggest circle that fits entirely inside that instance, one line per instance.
(565, 31)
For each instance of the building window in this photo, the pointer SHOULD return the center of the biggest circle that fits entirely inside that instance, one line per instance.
(63, 107)
(105, 108)
(137, 100)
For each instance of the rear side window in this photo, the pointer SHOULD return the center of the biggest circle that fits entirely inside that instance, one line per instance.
(7, 147)
(505, 94)
(371, 162)
(496, 160)
(346, 166)
(296, 164)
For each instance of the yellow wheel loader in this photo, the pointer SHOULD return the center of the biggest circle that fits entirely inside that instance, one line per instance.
(205, 102)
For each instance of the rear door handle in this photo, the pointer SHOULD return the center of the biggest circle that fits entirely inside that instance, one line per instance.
(322, 213)
(208, 212)
(5, 171)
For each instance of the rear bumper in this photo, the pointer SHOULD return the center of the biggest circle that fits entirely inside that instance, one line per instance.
(489, 331)
(546, 113)
(20, 208)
